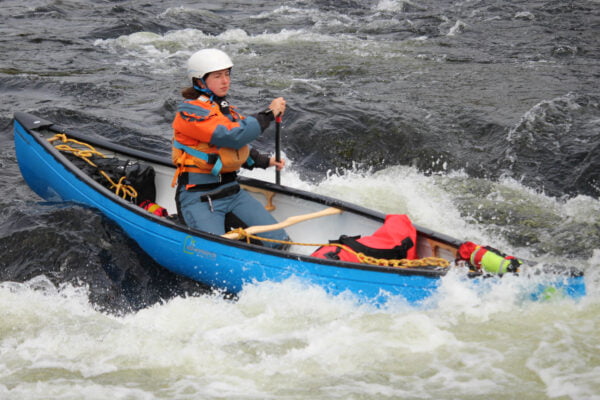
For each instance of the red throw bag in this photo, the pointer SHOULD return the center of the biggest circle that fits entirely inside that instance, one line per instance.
(395, 240)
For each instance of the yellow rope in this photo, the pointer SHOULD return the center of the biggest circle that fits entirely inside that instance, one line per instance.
(401, 263)
(88, 151)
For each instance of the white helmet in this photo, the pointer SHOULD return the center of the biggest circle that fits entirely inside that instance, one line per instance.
(207, 60)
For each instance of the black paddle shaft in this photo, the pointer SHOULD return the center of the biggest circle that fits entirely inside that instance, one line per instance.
(277, 147)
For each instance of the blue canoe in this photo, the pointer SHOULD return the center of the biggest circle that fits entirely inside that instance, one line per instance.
(229, 264)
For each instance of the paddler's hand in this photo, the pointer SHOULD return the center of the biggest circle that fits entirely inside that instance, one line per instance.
(277, 106)
(277, 164)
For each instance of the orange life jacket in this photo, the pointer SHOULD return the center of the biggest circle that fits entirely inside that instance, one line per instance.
(207, 159)
(195, 154)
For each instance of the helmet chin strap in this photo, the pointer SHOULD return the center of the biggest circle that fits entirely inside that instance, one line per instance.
(223, 104)
(203, 90)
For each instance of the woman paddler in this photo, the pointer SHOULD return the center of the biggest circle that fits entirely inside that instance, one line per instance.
(211, 143)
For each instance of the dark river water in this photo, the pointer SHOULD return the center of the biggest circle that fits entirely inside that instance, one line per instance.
(480, 119)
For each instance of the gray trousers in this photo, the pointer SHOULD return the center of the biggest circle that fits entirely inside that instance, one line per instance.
(210, 215)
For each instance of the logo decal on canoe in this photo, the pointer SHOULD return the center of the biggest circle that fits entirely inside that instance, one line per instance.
(190, 246)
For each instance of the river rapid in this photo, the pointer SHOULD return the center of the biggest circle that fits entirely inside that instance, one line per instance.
(479, 119)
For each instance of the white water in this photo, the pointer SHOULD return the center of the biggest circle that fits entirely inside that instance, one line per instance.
(291, 341)
(288, 341)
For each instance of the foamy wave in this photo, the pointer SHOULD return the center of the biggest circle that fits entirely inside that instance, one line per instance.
(545, 114)
(280, 336)
(163, 54)
(191, 39)
(392, 5)
(458, 28)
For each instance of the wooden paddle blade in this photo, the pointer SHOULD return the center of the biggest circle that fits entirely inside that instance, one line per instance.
(285, 223)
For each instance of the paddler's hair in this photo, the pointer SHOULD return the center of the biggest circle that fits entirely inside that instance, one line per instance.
(190, 93)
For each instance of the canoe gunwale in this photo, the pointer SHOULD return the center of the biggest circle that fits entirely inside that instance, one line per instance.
(32, 124)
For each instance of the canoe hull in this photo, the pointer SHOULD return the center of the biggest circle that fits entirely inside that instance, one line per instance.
(221, 263)
(217, 263)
